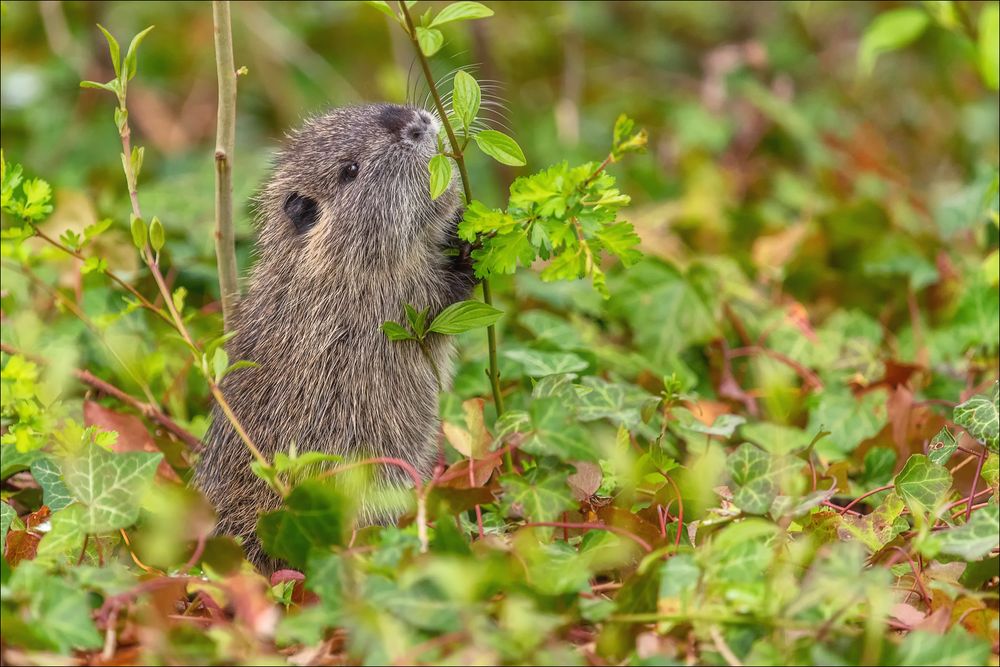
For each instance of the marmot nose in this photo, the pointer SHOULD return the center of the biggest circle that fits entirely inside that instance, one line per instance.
(420, 127)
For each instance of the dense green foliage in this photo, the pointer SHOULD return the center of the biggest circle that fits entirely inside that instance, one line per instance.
(747, 342)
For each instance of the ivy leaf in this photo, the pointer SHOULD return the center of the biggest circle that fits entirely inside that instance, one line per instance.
(109, 485)
(877, 529)
(942, 446)
(461, 11)
(536, 496)
(973, 540)
(553, 433)
(850, 420)
(540, 364)
(7, 516)
(991, 473)
(922, 483)
(54, 492)
(620, 403)
(314, 517)
(754, 479)
(440, 170)
(500, 147)
(430, 40)
(955, 647)
(464, 316)
(59, 616)
(979, 416)
(466, 98)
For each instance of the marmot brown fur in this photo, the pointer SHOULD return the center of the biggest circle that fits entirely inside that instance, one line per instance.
(348, 233)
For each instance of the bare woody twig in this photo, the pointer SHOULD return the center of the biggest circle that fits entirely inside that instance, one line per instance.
(225, 143)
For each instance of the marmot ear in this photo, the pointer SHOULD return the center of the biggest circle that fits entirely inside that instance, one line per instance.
(302, 211)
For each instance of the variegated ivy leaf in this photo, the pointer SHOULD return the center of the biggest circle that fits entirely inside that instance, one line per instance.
(979, 416)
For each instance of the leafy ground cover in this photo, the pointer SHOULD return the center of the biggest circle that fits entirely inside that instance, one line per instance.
(748, 377)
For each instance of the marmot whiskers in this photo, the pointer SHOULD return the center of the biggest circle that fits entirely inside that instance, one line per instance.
(348, 234)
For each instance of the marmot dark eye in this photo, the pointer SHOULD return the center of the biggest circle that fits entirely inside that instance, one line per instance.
(350, 172)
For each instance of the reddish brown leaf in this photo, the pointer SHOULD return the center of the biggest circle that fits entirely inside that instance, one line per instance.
(21, 545)
(132, 434)
(457, 476)
(586, 480)
(38, 517)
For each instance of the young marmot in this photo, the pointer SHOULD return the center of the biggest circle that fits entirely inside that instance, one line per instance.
(348, 233)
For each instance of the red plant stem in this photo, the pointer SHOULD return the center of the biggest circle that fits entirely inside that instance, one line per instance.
(591, 526)
(863, 496)
(443, 479)
(827, 503)
(975, 482)
(386, 460)
(680, 510)
(807, 375)
(916, 575)
(199, 549)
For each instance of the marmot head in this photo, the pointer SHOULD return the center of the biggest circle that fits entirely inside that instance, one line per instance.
(352, 187)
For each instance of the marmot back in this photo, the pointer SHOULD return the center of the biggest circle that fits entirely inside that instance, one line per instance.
(348, 233)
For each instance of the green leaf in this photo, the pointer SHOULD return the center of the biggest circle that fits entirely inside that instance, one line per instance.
(132, 54)
(114, 49)
(220, 362)
(315, 516)
(991, 473)
(956, 647)
(139, 233)
(156, 234)
(440, 171)
(63, 543)
(621, 403)
(54, 492)
(625, 140)
(621, 240)
(109, 485)
(540, 364)
(974, 540)
(754, 479)
(7, 516)
(989, 37)
(15, 460)
(416, 319)
(553, 433)
(383, 7)
(111, 87)
(877, 529)
(536, 496)
(776, 438)
(942, 446)
(94, 263)
(500, 147)
(679, 578)
(979, 416)
(59, 613)
(464, 316)
(461, 11)
(890, 31)
(922, 483)
(850, 419)
(430, 40)
(395, 331)
(466, 98)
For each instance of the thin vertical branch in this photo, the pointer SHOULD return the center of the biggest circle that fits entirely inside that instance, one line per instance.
(459, 157)
(225, 143)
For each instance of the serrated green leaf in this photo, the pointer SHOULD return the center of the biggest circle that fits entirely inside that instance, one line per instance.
(500, 147)
(621, 240)
(440, 172)
(109, 486)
